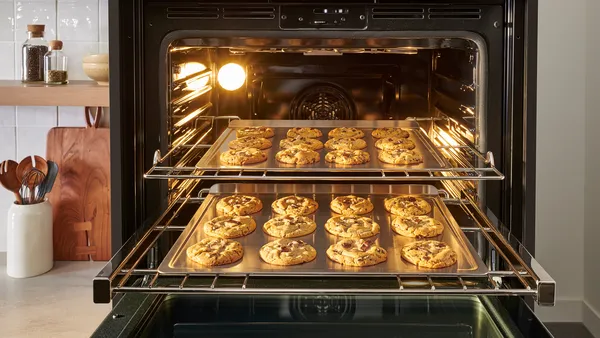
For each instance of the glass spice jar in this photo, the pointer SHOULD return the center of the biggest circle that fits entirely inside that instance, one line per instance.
(55, 64)
(33, 51)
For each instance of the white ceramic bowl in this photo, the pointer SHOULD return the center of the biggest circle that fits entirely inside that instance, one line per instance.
(96, 68)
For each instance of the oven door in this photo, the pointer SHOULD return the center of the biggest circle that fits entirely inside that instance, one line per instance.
(220, 315)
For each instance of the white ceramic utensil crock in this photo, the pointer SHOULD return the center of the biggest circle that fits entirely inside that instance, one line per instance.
(29, 237)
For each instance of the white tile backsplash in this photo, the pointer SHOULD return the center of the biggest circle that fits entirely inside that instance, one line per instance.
(31, 141)
(7, 55)
(8, 142)
(76, 51)
(36, 117)
(71, 117)
(7, 118)
(7, 21)
(103, 20)
(35, 12)
(78, 20)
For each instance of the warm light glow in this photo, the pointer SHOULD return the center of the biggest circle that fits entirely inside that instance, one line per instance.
(231, 76)
(190, 68)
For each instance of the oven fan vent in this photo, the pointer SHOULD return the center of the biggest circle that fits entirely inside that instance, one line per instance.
(249, 13)
(455, 13)
(398, 13)
(193, 12)
(322, 102)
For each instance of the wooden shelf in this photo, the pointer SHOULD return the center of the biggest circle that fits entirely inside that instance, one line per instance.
(76, 93)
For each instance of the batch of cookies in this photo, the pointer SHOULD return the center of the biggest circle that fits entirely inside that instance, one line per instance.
(292, 219)
(345, 146)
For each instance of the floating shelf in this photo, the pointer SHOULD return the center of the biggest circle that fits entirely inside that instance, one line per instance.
(76, 93)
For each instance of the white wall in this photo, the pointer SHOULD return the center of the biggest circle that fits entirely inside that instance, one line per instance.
(83, 27)
(561, 152)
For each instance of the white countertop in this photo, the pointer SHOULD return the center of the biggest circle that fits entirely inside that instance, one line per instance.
(56, 304)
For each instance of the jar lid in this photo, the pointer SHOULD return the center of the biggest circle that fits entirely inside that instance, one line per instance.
(55, 44)
(36, 28)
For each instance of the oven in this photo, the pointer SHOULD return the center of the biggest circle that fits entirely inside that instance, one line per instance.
(185, 75)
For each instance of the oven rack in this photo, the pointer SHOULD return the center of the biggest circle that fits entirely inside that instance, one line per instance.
(190, 147)
(513, 271)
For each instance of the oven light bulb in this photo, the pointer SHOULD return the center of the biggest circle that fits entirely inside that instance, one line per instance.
(231, 76)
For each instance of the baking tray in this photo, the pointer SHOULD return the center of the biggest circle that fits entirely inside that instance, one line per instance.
(432, 159)
(176, 261)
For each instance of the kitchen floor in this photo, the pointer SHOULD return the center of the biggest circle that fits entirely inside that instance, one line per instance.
(56, 304)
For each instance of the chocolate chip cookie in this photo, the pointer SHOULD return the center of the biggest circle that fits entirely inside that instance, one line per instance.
(229, 226)
(400, 156)
(310, 143)
(406, 205)
(351, 157)
(298, 155)
(242, 156)
(356, 252)
(287, 252)
(250, 142)
(429, 254)
(352, 227)
(417, 226)
(213, 251)
(266, 132)
(393, 143)
(239, 205)
(294, 205)
(389, 132)
(289, 226)
(350, 143)
(345, 132)
(304, 132)
(351, 205)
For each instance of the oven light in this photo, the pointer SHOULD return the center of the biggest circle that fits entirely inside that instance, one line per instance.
(231, 76)
(190, 68)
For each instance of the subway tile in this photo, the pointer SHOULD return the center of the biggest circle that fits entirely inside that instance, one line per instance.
(7, 21)
(78, 20)
(18, 60)
(7, 116)
(71, 116)
(31, 141)
(36, 117)
(7, 143)
(6, 199)
(35, 12)
(76, 51)
(7, 59)
(103, 20)
(103, 48)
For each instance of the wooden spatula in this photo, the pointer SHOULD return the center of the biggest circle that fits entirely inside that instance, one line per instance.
(9, 180)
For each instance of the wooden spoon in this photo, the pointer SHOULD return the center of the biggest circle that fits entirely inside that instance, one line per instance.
(28, 162)
(9, 180)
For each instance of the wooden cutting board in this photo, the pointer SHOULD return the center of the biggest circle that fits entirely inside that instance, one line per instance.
(81, 195)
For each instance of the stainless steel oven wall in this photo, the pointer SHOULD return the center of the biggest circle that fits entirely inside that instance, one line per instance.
(136, 61)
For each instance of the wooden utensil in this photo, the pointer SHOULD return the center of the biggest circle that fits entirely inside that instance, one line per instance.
(9, 180)
(29, 162)
(81, 195)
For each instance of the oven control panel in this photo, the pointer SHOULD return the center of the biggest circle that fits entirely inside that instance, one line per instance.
(323, 17)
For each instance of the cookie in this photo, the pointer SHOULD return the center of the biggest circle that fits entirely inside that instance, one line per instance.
(294, 205)
(350, 143)
(351, 205)
(242, 156)
(393, 143)
(239, 205)
(213, 251)
(298, 155)
(285, 251)
(309, 143)
(265, 132)
(347, 157)
(417, 226)
(389, 132)
(352, 226)
(304, 132)
(346, 132)
(229, 226)
(289, 226)
(406, 205)
(250, 142)
(429, 254)
(356, 252)
(400, 156)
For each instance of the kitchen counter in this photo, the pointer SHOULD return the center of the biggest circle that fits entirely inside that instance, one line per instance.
(56, 304)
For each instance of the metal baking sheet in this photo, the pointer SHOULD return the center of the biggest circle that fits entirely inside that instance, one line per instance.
(176, 261)
(432, 159)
